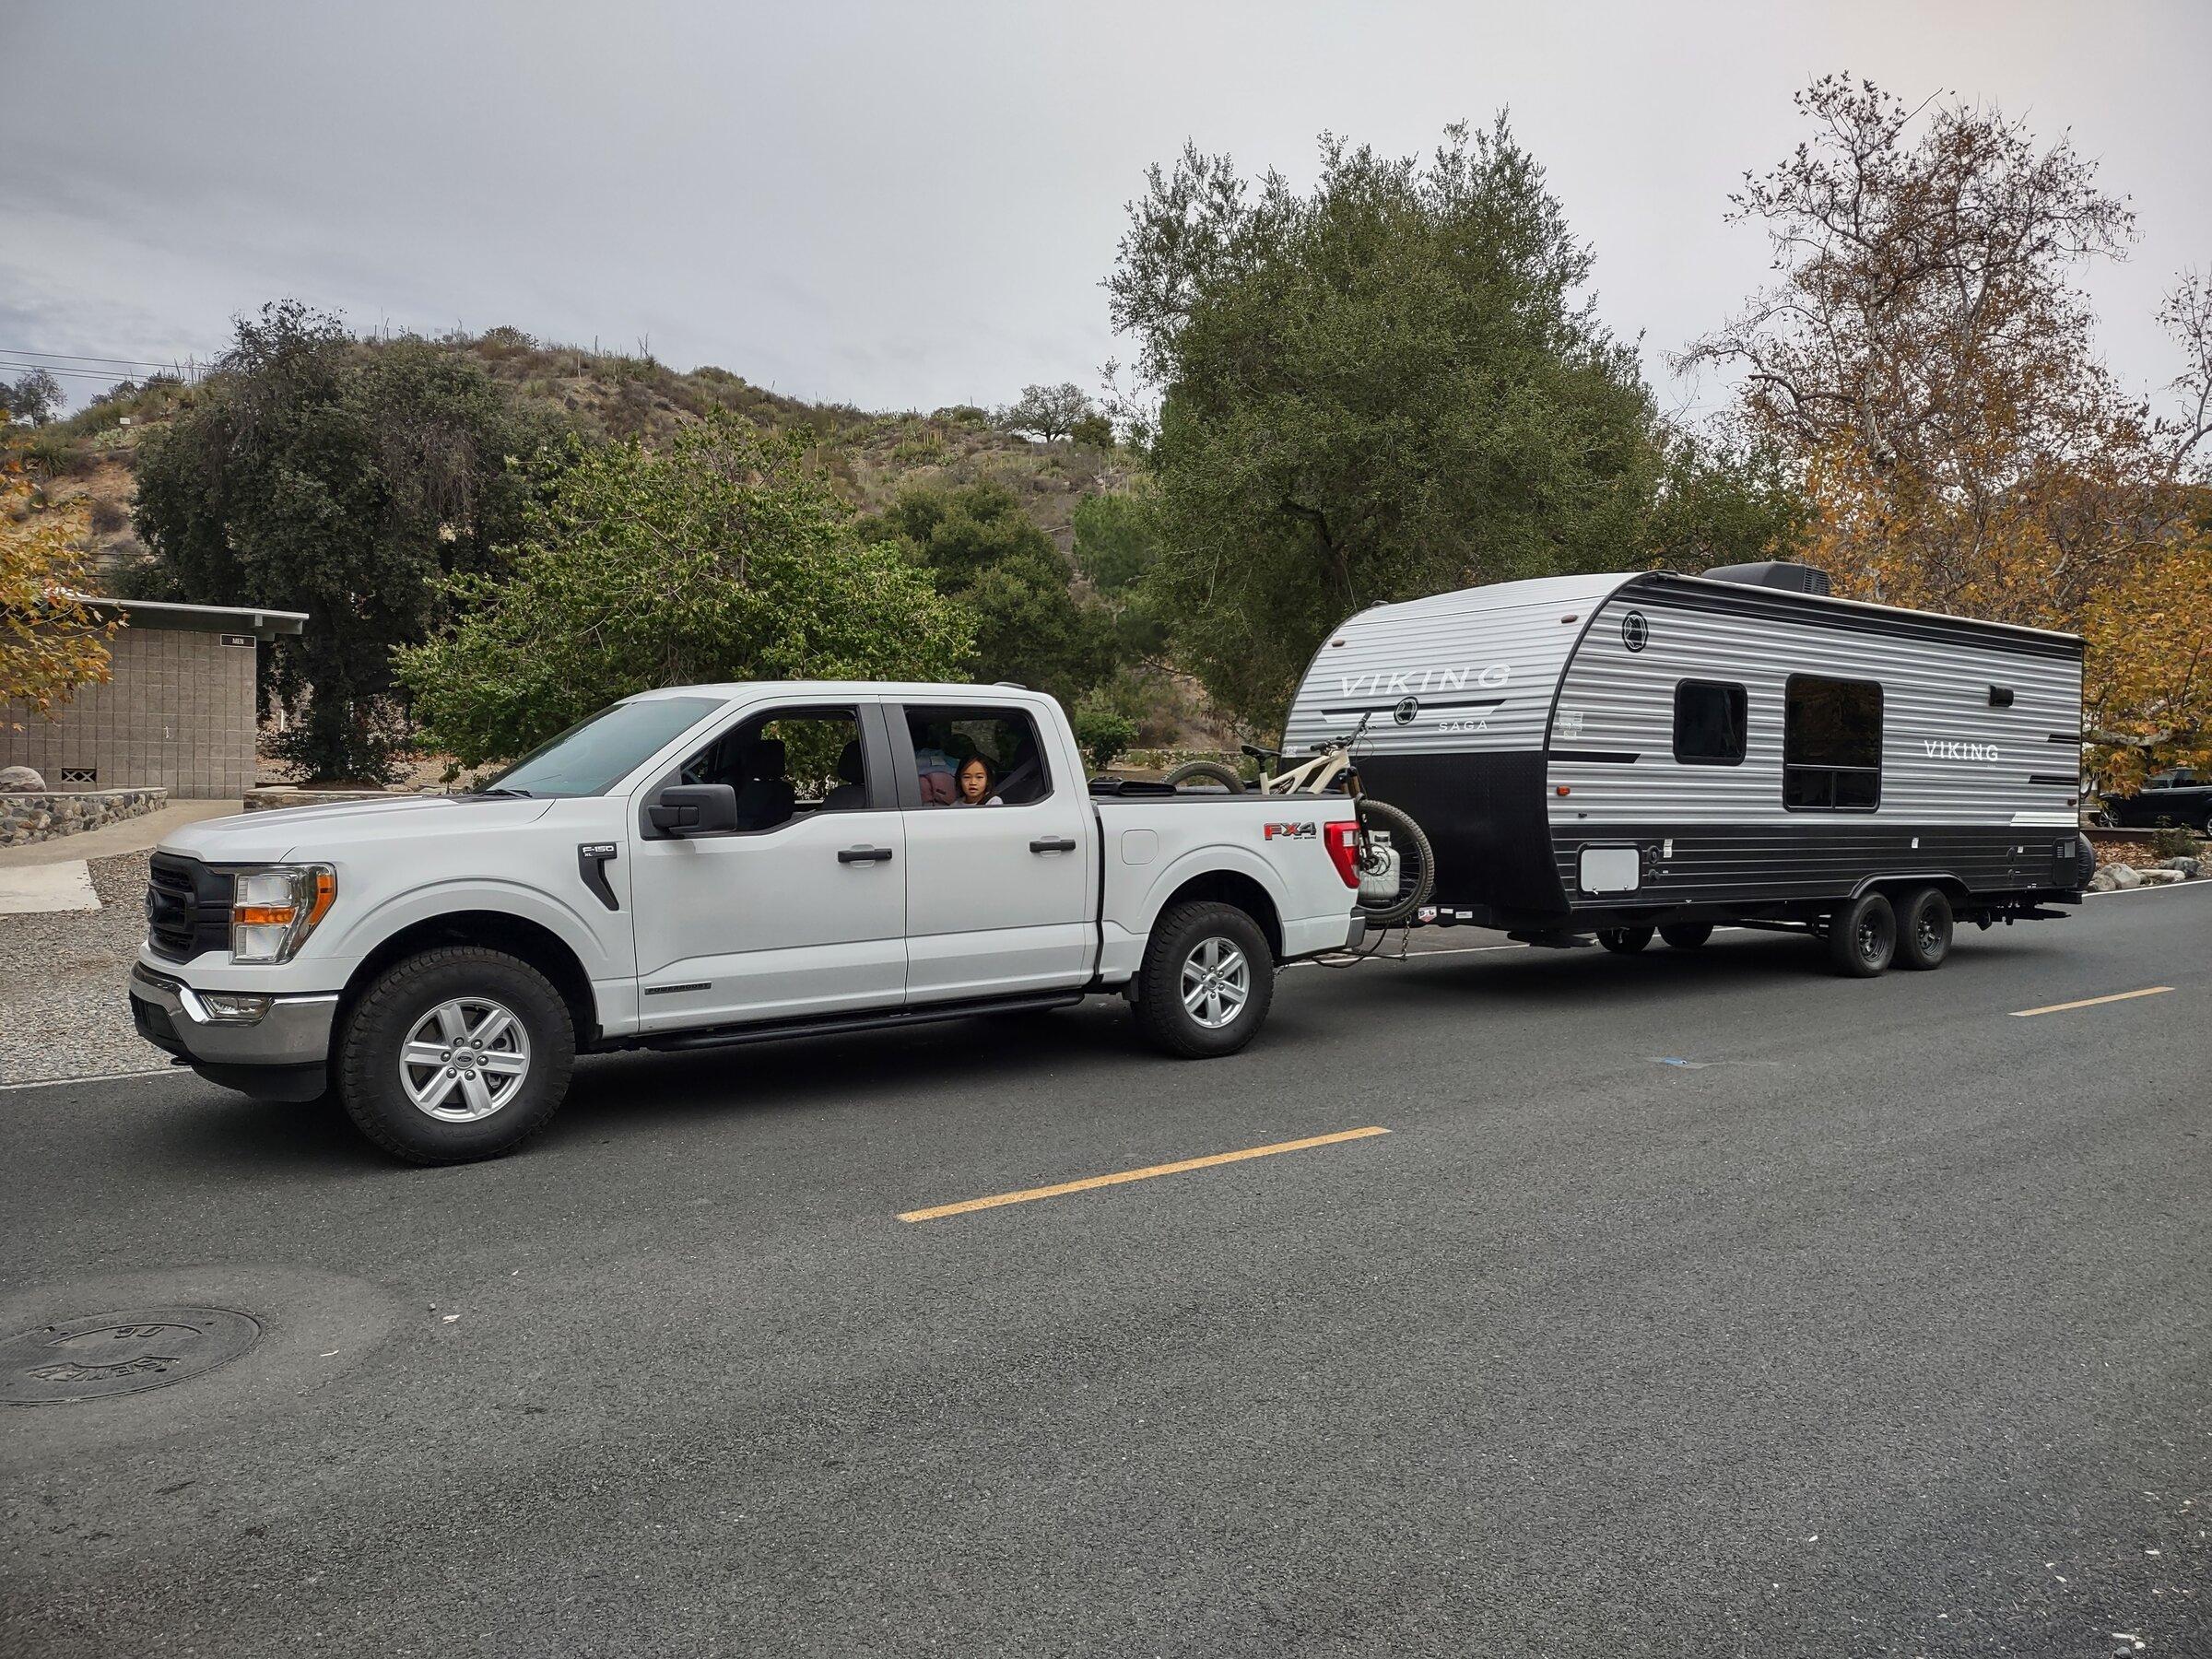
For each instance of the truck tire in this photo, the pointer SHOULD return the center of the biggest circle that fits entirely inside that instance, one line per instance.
(1686, 935)
(498, 1020)
(1624, 941)
(1924, 929)
(1207, 771)
(1206, 980)
(1862, 937)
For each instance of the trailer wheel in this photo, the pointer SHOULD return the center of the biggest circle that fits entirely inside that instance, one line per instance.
(1207, 771)
(1206, 980)
(1924, 929)
(1624, 941)
(1686, 935)
(1862, 937)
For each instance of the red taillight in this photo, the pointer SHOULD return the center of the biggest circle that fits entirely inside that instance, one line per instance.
(1344, 850)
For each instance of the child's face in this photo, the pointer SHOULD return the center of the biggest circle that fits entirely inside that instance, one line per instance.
(974, 779)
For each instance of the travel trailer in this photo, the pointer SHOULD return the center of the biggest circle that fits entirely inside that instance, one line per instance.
(1623, 754)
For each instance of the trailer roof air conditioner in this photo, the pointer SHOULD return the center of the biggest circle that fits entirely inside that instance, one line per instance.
(1773, 573)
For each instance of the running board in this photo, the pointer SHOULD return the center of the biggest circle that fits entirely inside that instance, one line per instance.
(829, 1025)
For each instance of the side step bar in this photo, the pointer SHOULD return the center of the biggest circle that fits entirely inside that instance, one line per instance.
(839, 1024)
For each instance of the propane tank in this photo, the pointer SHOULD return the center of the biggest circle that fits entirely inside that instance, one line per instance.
(1379, 875)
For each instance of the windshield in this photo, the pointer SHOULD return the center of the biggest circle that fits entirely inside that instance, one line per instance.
(601, 749)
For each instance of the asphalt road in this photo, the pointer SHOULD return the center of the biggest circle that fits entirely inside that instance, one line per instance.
(1881, 1325)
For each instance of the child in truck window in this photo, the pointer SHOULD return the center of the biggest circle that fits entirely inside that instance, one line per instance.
(975, 783)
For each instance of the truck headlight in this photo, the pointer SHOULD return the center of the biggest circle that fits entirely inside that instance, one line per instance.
(274, 909)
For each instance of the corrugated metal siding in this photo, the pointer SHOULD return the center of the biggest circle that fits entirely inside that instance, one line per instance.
(1613, 699)
(1816, 855)
(1480, 663)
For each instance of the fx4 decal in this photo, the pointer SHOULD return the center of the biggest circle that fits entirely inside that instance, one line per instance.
(1286, 832)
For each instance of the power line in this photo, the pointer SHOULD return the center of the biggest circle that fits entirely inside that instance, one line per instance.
(67, 356)
(105, 376)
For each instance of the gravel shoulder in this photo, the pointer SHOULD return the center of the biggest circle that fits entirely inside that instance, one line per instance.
(63, 1009)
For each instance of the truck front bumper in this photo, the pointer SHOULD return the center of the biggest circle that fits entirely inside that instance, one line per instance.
(274, 1047)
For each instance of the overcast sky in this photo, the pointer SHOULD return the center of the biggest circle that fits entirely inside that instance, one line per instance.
(909, 205)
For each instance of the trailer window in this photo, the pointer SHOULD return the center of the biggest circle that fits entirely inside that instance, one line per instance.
(1831, 744)
(1709, 723)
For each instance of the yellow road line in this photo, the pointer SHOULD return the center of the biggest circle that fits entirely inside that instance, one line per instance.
(1089, 1182)
(2091, 1002)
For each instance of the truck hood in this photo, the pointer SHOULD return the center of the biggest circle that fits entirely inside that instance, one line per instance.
(313, 832)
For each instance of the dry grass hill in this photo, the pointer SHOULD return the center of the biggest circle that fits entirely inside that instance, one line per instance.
(611, 395)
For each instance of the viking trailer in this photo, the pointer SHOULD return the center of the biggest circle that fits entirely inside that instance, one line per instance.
(1626, 754)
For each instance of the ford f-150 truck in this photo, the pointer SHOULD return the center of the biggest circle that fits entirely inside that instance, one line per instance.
(716, 864)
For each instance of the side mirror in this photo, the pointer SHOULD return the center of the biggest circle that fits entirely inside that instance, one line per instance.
(694, 809)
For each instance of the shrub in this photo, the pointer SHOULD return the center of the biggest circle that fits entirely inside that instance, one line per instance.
(1092, 431)
(1102, 732)
(2170, 841)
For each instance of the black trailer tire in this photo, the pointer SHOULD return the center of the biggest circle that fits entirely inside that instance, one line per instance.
(1924, 929)
(1686, 935)
(1207, 771)
(1624, 941)
(1862, 937)
(1206, 981)
(521, 1071)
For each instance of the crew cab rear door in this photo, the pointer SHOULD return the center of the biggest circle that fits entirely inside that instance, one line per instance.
(999, 896)
(802, 908)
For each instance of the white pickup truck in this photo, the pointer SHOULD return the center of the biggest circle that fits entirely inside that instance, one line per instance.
(717, 864)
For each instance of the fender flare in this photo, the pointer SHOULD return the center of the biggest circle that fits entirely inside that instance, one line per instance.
(1211, 860)
(416, 905)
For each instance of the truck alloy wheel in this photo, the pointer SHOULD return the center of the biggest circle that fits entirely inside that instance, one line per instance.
(465, 1059)
(456, 1053)
(1208, 977)
(1217, 982)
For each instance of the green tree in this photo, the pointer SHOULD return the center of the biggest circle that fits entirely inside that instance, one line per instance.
(1383, 388)
(727, 556)
(33, 398)
(1117, 539)
(314, 473)
(982, 551)
(1049, 411)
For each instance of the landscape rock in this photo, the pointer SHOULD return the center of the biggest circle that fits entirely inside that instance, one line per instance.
(36, 817)
(2160, 878)
(20, 780)
(2191, 868)
(2114, 878)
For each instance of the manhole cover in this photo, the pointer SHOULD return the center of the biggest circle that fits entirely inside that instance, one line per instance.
(120, 1353)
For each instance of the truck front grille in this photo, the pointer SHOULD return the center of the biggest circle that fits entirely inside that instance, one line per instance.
(187, 907)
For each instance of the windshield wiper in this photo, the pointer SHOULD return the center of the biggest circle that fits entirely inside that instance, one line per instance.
(519, 794)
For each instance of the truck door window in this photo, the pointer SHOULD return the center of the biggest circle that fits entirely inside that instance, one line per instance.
(949, 742)
(786, 764)
(1709, 723)
(1831, 744)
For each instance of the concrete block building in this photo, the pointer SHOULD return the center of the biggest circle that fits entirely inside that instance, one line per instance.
(178, 713)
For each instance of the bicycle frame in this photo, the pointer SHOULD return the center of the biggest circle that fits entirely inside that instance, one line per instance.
(1318, 773)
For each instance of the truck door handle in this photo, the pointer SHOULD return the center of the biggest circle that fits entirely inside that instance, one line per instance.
(1053, 843)
(864, 855)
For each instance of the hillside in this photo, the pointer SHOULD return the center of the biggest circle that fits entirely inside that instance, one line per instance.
(871, 459)
(603, 394)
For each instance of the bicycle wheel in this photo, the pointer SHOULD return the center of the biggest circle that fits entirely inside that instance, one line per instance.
(1207, 771)
(1417, 862)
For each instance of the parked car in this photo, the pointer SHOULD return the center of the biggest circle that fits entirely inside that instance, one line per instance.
(718, 864)
(2181, 797)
